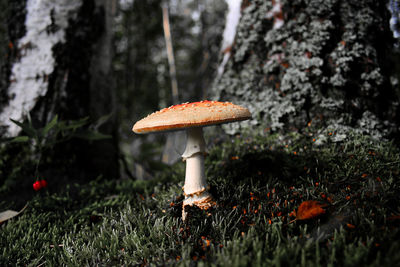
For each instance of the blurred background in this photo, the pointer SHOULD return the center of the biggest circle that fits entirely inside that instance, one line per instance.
(76, 75)
(110, 67)
(142, 70)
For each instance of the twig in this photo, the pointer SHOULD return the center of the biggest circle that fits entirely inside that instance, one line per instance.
(170, 54)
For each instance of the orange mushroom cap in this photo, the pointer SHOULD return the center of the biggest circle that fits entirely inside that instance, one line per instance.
(193, 114)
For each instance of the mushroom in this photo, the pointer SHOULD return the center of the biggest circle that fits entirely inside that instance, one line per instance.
(192, 117)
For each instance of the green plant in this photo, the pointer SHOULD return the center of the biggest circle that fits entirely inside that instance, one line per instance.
(41, 140)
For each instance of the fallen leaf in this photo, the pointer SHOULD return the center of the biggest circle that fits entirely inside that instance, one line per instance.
(351, 226)
(8, 214)
(285, 65)
(309, 209)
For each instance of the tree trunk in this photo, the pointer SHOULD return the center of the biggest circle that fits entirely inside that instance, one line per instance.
(60, 63)
(298, 64)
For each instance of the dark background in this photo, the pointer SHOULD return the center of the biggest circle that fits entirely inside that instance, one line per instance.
(331, 64)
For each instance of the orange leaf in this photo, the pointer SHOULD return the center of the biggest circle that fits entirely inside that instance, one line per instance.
(285, 65)
(351, 226)
(309, 209)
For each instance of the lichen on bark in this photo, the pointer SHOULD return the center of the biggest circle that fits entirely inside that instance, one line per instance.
(329, 63)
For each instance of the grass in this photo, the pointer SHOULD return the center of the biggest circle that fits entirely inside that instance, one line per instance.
(257, 182)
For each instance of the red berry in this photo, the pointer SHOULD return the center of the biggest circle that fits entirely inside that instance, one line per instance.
(37, 185)
(43, 183)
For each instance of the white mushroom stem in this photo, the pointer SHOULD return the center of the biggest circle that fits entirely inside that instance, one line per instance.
(195, 179)
(195, 188)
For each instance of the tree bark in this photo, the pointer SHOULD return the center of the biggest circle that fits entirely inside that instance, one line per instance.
(60, 64)
(297, 64)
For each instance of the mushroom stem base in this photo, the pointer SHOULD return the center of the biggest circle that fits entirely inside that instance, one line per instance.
(195, 188)
(204, 201)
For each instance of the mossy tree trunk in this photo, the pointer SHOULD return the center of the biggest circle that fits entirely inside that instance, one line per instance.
(59, 63)
(324, 63)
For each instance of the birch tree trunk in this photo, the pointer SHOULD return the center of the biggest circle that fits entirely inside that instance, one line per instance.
(59, 62)
(299, 64)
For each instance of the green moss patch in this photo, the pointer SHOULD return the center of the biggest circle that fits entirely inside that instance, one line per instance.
(258, 183)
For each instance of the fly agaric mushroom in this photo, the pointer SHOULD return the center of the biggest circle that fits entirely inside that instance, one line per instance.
(192, 117)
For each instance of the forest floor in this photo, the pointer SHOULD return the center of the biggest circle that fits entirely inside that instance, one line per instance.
(258, 183)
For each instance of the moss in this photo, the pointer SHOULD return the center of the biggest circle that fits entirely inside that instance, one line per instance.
(257, 182)
(328, 63)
